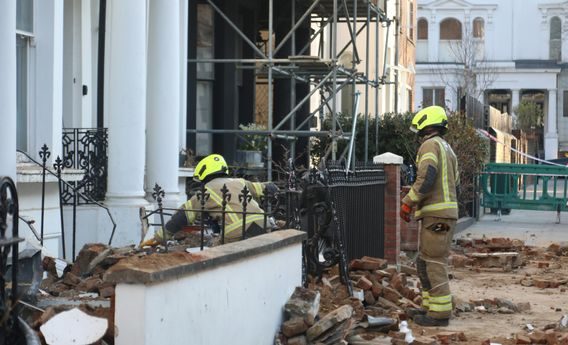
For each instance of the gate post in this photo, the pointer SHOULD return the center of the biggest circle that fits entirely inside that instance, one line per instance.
(392, 165)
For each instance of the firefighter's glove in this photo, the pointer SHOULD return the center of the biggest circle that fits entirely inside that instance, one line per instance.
(405, 212)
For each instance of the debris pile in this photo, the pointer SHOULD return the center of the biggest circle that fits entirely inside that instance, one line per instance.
(551, 334)
(497, 252)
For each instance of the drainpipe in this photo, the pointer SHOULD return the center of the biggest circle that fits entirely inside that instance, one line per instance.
(101, 64)
(396, 44)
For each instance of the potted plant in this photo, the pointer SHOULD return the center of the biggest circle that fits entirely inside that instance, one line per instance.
(251, 146)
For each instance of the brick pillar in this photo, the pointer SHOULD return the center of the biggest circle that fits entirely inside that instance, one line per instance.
(392, 165)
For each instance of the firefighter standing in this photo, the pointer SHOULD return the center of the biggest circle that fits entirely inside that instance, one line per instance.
(213, 171)
(434, 196)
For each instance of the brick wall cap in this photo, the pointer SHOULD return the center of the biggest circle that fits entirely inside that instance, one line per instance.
(388, 158)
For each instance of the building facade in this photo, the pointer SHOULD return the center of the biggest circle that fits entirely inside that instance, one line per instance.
(500, 53)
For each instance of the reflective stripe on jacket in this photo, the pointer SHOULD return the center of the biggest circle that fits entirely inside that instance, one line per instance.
(213, 206)
(434, 191)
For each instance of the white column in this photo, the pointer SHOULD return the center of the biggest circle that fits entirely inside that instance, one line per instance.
(8, 88)
(433, 38)
(87, 120)
(126, 116)
(551, 136)
(163, 112)
(48, 117)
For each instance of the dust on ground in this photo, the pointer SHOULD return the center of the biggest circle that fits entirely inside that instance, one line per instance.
(547, 305)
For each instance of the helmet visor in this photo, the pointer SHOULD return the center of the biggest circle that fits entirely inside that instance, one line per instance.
(413, 128)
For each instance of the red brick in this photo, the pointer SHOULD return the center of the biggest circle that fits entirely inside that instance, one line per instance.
(522, 339)
(364, 283)
(551, 337)
(538, 337)
(294, 326)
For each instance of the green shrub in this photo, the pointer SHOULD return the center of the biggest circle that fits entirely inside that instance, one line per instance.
(395, 136)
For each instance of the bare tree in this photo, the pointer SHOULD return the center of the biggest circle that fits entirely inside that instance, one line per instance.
(470, 74)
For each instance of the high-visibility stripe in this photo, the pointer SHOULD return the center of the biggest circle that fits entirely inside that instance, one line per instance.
(440, 307)
(234, 217)
(437, 207)
(250, 219)
(425, 299)
(445, 186)
(412, 195)
(258, 188)
(441, 299)
(189, 215)
(428, 156)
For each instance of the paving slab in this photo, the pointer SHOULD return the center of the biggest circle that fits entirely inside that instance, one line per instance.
(536, 228)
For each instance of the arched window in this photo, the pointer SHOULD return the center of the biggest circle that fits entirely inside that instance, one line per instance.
(450, 29)
(422, 29)
(555, 38)
(478, 28)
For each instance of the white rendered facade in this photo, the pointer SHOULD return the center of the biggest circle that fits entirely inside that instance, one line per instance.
(524, 47)
(49, 58)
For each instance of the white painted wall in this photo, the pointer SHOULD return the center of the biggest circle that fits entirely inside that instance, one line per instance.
(237, 303)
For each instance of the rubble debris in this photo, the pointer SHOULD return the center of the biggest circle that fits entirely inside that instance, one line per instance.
(330, 320)
(73, 327)
(304, 303)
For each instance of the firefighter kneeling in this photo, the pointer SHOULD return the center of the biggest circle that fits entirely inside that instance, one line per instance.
(434, 196)
(213, 172)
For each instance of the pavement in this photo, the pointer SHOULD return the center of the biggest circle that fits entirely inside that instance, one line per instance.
(536, 228)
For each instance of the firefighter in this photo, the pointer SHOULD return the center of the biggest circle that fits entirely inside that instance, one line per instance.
(213, 172)
(433, 194)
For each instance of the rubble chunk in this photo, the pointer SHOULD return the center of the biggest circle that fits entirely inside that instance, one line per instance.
(368, 263)
(303, 303)
(522, 339)
(298, 340)
(74, 327)
(340, 314)
(293, 327)
(364, 283)
(538, 337)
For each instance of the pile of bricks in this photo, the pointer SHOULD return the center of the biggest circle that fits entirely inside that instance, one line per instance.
(497, 252)
(325, 313)
(551, 334)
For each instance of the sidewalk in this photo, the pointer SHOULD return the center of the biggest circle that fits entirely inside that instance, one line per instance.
(534, 227)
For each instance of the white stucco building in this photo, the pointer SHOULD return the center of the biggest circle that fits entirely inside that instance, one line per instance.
(520, 52)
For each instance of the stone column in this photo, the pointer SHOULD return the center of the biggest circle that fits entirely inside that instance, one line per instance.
(392, 199)
(433, 38)
(163, 112)
(8, 88)
(551, 135)
(126, 115)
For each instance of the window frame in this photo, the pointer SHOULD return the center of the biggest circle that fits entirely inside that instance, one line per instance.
(418, 31)
(435, 96)
(481, 28)
(25, 40)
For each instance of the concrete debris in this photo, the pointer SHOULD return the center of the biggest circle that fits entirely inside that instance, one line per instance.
(73, 327)
(304, 304)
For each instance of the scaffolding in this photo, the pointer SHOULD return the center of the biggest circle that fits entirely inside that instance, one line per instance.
(323, 72)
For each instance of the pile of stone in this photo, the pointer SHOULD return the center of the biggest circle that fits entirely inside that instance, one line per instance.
(490, 306)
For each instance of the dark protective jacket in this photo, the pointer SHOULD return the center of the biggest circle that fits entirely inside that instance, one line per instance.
(434, 191)
(190, 210)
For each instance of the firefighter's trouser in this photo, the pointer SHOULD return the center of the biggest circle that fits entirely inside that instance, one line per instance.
(435, 239)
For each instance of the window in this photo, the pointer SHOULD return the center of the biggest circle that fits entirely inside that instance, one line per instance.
(433, 96)
(24, 28)
(422, 29)
(450, 29)
(478, 28)
(555, 39)
(565, 103)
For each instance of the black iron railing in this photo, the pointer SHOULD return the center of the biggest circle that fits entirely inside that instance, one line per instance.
(9, 328)
(86, 149)
(77, 194)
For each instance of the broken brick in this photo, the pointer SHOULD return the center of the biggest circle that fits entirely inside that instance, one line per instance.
(447, 338)
(377, 290)
(398, 281)
(364, 283)
(522, 339)
(543, 264)
(85, 256)
(298, 340)
(327, 322)
(551, 337)
(368, 263)
(303, 303)
(541, 283)
(369, 298)
(293, 327)
(70, 279)
(458, 261)
(106, 291)
(538, 337)
(391, 295)
(424, 341)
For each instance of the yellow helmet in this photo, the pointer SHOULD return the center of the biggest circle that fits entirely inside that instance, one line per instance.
(212, 164)
(429, 116)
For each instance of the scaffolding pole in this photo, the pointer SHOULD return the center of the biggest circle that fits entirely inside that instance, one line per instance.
(324, 73)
